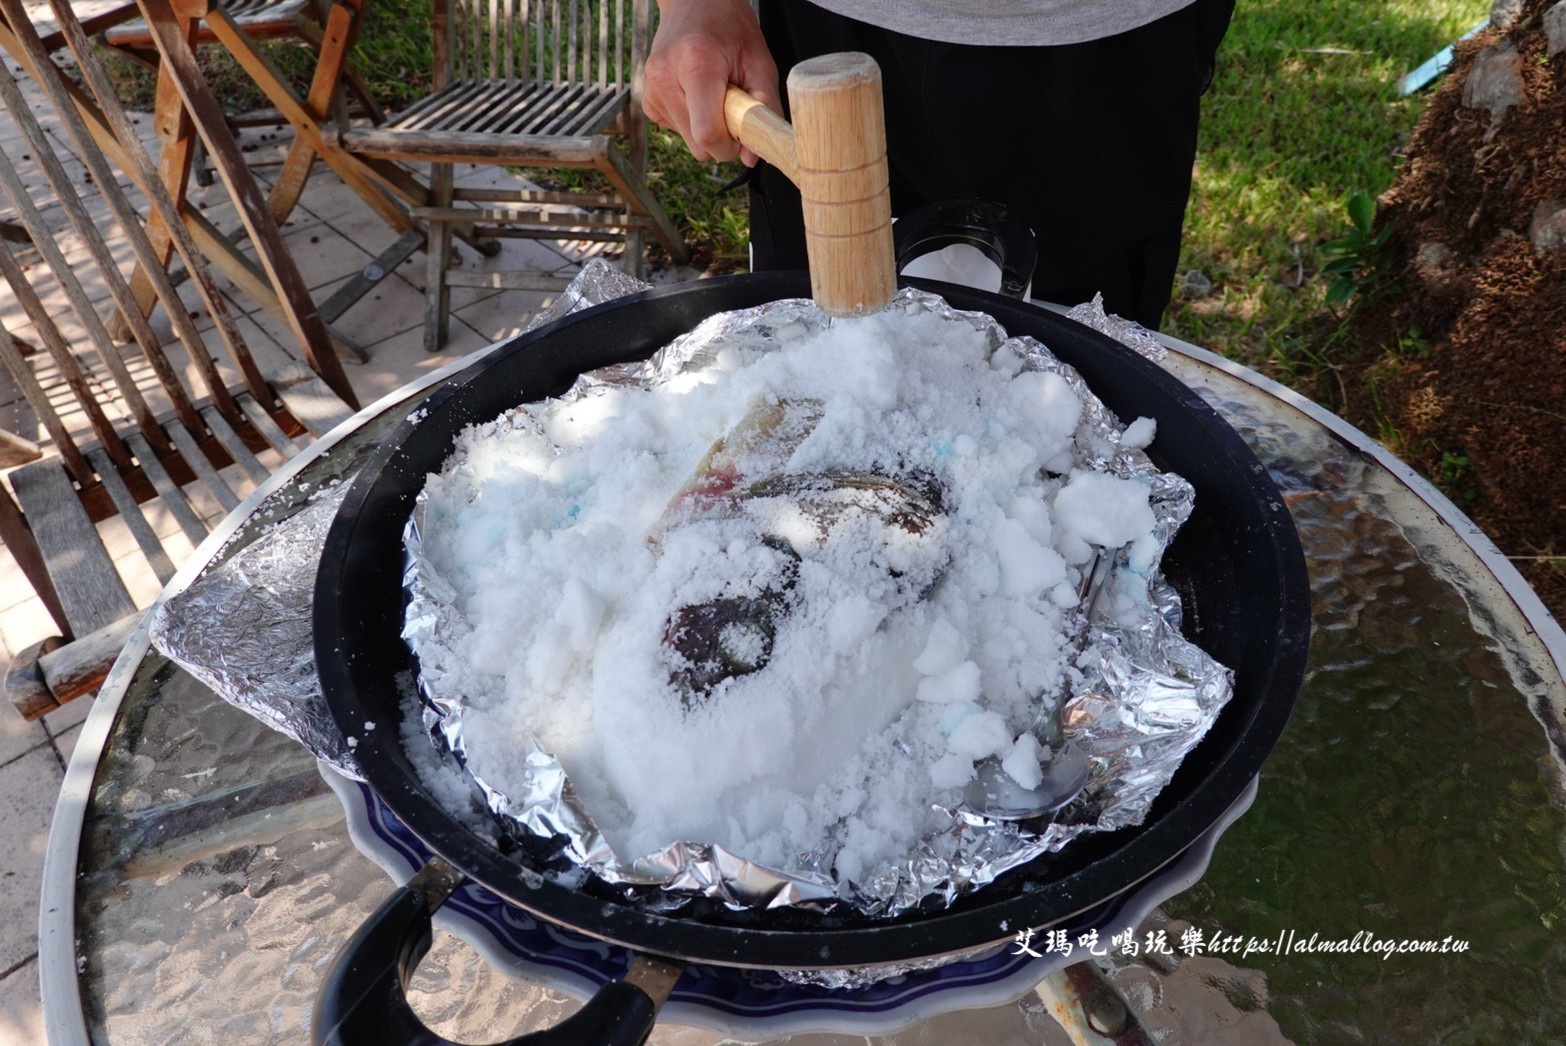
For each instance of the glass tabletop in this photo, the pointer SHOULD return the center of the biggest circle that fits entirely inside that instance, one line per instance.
(201, 877)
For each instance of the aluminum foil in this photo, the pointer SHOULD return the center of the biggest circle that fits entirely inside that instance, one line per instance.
(244, 629)
(1147, 701)
(1129, 333)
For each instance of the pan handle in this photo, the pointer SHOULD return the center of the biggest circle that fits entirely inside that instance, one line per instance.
(980, 223)
(364, 1002)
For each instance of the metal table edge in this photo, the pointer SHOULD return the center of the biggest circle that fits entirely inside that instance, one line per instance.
(65, 1021)
(1539, 619)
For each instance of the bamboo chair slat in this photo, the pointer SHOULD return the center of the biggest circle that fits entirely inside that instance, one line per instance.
(87, 228)
(527, 83)
(70, 369)
(173, 497)
(275, 436)
(215, 484)
(315, 405)
(147, 178)
(42, 403)
(427, 108)
(84, 576)
(248, 463)
(130, 511)
(262, 19)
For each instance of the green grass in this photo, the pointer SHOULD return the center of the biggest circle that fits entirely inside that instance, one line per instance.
(1304, 113)
(393, 53)
(715, 223)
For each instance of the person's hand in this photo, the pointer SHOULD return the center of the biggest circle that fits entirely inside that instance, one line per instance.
(701, 47)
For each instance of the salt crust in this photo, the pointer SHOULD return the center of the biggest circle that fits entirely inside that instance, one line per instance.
(877, 701)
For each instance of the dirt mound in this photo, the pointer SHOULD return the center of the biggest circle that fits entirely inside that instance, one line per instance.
(1463, 370)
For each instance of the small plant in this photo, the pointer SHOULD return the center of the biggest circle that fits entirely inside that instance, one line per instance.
(1359, 261)
(1386, 431)
(1411, 344)
(1451, 473)
(395, 51)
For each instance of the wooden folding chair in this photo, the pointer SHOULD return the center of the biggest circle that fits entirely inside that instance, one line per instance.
(177, 425)
(536, 85)
(183, 26)
(190, 108)
(301, 20)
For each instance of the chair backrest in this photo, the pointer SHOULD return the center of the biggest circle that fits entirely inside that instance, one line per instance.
(598, 42)
(95, 364)
(261, 19)
(187, 420)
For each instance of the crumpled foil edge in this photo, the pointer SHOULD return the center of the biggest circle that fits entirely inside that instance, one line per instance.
(244, 630)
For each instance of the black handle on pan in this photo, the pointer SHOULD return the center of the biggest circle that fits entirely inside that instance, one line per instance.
(980, 223)
(364, 1001)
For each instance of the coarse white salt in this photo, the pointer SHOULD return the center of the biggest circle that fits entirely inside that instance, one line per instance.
(892, 590)
(1104, 510)
(1023, 761)
(1139, 434)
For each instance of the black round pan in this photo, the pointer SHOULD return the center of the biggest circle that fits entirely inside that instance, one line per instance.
(1237, 564)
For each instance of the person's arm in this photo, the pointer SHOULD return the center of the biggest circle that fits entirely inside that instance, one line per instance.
(700, 48)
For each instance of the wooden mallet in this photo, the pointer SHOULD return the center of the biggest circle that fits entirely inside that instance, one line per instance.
(835, 152)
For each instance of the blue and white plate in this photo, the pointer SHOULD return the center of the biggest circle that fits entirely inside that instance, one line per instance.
(746, 1003)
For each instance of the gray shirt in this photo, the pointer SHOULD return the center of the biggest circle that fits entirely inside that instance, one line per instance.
(1017, 22)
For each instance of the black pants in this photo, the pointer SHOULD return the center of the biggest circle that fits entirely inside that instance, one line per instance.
(1090, 145)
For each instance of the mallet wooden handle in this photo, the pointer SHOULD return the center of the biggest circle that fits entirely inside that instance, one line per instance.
(835, 152)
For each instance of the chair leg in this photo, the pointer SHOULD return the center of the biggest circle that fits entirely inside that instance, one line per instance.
(437, 257)
(331, 39)
(204, 176)
(640, 200)
(313, 31)
(488, 246)
(180, 152)
(632, 263)
(636, 155)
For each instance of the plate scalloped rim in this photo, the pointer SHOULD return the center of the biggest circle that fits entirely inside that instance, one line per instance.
(965, 984)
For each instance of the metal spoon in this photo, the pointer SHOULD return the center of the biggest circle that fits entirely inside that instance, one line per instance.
(992, 792)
